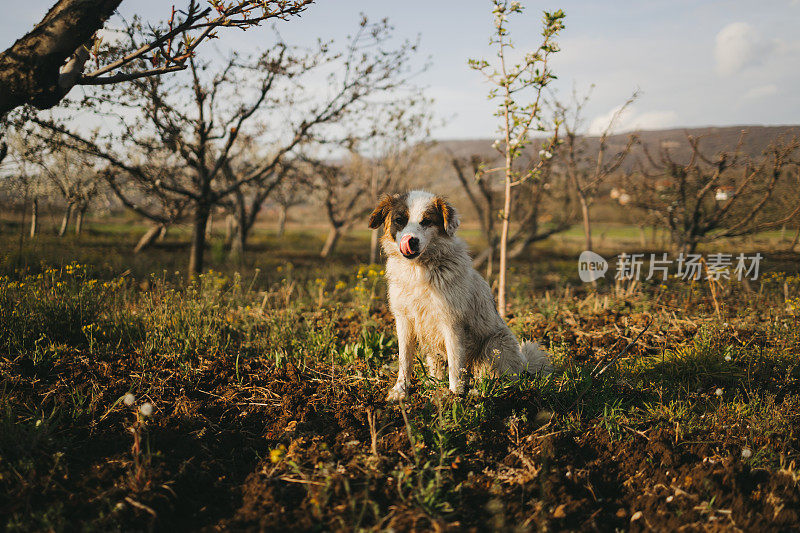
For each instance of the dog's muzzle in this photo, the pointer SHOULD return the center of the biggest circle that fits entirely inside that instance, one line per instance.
(409, 246)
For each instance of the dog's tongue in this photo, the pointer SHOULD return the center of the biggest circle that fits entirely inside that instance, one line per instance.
(404, 247)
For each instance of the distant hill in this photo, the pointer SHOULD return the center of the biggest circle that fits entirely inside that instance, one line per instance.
(714, 140)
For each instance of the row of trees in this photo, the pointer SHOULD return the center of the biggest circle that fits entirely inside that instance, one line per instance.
(187, 136)
(696, 195)
(699, 196)
(229, 135)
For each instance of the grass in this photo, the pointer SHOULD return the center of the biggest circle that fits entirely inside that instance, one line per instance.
(267, 380)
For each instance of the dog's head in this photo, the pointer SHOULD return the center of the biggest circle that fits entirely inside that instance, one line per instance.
(413, 220)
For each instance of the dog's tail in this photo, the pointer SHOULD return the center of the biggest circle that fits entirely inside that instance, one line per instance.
(537, 360)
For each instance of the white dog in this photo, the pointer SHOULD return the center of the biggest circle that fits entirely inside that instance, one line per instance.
(439, 300)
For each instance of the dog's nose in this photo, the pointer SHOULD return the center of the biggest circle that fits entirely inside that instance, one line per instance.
(413, 244)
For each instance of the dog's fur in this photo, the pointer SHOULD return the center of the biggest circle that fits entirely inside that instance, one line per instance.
(440, 301)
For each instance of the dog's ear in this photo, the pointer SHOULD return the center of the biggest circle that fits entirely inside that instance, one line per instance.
(382, 211)
(449, 215)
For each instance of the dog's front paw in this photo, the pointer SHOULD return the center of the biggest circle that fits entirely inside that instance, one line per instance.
(458, 388)
(396, 393)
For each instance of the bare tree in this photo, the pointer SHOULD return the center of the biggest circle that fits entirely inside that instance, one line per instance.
(21, 179)
(348, 189)
(290, 193)
(587, 171)
(713, 197)
(378, 162)
(42, 66)
(512, 82)
(197, 126)
(72, 176)
(543, 204)
(344, 197)
(371, 78)
(246, 202)
(483, 200)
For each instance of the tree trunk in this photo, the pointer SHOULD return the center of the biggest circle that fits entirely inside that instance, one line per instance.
(330, 243)
(237, 243)
(482, 257)
(230, 229)
(238, 235)
(282, 215)
(795, 239)
(240, 229)
(686, 245)
(65, 220)
(198, 240)
(587, 225)
(374, 246)
(148, 238)
(79, 220)
(34, 217)
(501, 278)
(210, 226)
(29, 69)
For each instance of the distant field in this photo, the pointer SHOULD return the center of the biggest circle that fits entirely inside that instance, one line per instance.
(267, 381)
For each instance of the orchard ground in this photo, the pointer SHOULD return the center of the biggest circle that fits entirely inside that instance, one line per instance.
(267, 380)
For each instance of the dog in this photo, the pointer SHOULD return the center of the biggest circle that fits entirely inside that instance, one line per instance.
(439, 301)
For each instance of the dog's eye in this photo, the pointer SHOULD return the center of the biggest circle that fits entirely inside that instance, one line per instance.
(425, 222)
(400, 221)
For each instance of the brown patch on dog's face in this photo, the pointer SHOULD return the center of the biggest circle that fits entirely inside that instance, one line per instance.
(443, 215)
(433, 217)
(392, 212)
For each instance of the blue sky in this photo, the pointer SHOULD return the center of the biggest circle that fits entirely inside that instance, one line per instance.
(695, 62)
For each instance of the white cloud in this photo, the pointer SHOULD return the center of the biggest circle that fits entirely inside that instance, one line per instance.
(653, 120)
(631, 120)
(762, 91)
(738, 45)
(601, 122)
(111, 36)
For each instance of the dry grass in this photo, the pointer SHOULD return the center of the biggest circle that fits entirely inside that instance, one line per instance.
(267, 391)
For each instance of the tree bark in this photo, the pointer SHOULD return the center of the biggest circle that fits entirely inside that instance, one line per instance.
(230, 225)
(34, 217)
(330, 243)
(30, 68)
(79, 220)
(501, 278)
(210, 226)
(795, 239)
(65, 220)
(148, 238)
(198, 240)
(237, 243)
(282, 215)
(242, 225)
(587, 225)
(238, 233)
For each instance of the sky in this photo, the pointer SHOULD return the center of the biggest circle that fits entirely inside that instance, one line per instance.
(695, 63)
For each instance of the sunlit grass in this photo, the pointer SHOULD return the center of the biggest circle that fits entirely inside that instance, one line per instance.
(78, 336)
